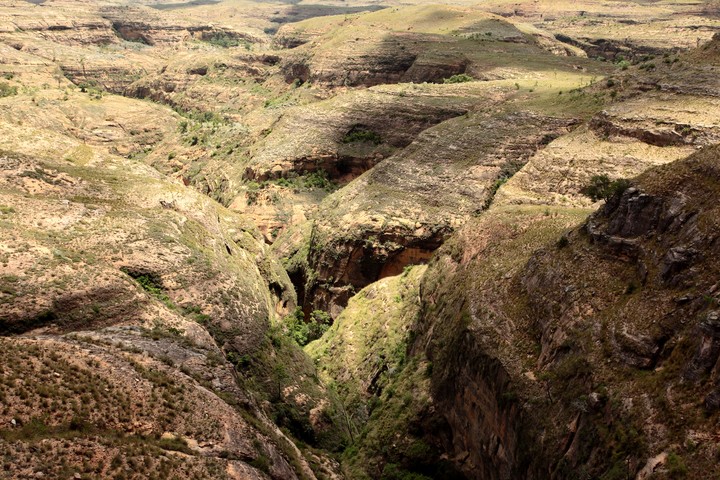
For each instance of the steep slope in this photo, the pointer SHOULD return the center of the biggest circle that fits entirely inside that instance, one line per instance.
(142, 322)
(662, 112)
(120, 403)
(152, 304)
(72, 245)
(399, 212)
(391, 217)
(582, 346)
(367, 341)
(384, 391)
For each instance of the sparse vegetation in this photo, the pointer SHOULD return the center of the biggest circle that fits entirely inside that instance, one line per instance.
(533, 336)
(676, 466)
(93, 90)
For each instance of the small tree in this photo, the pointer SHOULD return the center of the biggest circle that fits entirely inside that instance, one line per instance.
(304, 332)
(602, 188)
(297, 328)
(319, 323)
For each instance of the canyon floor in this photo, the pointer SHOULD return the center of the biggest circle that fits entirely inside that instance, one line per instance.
(340, 239)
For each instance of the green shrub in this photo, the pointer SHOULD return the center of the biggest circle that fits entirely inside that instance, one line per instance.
(241, 362)
(362, 135)
(494, 188)
(419, 451)
(317, 180)
(6, 90)
(174, 444)
(34, 428)
(393, 471)
(618, 471)
(602, 188)
(297, 328)
(460, 78)
(149, 284)
(152, 285)
(676, 466)
(224, 40)
(304, 332)
(92, 89)
(79, 424)
(262, 463)
(319, 323)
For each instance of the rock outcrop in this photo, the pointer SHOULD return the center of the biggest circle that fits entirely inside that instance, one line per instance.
(658, 116)
(350, 133)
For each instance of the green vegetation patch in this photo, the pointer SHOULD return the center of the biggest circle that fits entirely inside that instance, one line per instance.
(359, 134)
(363, 356)
(305, 331)
(224, 40)
(317, 181)
(283, 375)
(151, 284)
(602, 188)
(92, 89)
(460, 78)
(7, 90)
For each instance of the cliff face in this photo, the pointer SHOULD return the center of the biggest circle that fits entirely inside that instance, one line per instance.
(350, 133)
(391, 216)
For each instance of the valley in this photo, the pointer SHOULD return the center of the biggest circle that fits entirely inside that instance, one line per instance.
(359, 240)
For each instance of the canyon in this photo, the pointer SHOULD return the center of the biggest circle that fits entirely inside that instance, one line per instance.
(359, 240)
